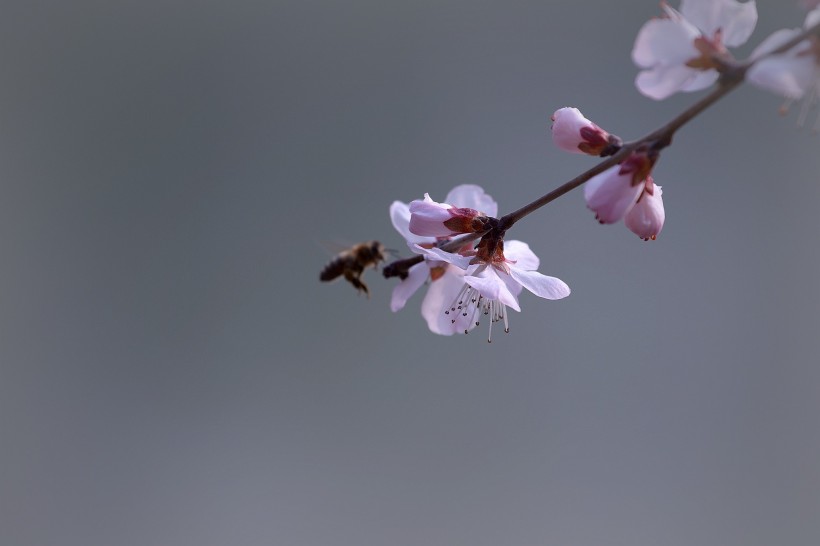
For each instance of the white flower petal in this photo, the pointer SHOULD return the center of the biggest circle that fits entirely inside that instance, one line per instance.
(812, 18)
(741, 24)
(775, 40)
(487, 284)
(490, 285)
(663, 81)
(520, 253)
(785, 75)
(664, 42)
(416, 276)
(790, 74)
(550, 288)
(471, 196)
(440, 296)
(701, 79)
(462, 262)
(736, 20)
(514, 289)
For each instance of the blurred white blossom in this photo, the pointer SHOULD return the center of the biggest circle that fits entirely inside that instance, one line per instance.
(794, 74)
(681, 50)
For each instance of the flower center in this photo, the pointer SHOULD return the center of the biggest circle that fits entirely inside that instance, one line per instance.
(713, 55)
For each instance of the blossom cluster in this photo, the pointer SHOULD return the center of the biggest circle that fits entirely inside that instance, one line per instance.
(793, 74)
(473, 273)
(465, 284)
(625, 191)
(686, 50)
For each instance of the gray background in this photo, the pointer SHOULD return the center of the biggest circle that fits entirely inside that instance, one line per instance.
(173, 373)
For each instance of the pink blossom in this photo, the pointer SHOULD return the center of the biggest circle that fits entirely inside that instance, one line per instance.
(442, 278)
(681, 51)
(431, 219)
(572, 132)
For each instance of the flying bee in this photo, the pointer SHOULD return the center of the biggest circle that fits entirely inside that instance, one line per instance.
(352, 262)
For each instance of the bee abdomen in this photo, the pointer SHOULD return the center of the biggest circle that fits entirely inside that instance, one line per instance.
(332, 270)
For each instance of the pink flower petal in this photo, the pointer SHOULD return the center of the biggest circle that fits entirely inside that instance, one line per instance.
(400, 217)
(574, 133)
(610, 195)
(647, 216)
(427, 218)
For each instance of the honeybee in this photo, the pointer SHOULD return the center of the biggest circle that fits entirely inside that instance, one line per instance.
(352, 262)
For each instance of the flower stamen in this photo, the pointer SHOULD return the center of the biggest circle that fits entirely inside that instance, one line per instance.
(469, 303)
(809, 104)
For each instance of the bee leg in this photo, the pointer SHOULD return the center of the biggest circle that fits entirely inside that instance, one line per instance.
(355, 280)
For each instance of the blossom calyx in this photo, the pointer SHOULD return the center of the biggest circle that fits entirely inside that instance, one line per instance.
(490, 249)
(572, 132)
(431, 219)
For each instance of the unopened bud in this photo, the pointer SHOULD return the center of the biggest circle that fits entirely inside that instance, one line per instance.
(646, 218)
(431, 219)
(572, 132)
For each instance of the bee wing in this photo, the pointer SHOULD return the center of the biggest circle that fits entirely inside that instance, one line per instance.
(334, 248)
(336, 263)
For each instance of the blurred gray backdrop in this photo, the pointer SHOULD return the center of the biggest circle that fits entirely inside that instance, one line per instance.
(173, 373)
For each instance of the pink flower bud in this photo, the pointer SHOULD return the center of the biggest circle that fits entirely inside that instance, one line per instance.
(646, 218)
(612, 193)
(431, 219)
(572, 132)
